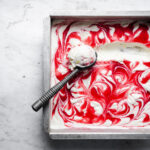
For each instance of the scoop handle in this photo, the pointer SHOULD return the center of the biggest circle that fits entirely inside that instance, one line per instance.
(51, 92)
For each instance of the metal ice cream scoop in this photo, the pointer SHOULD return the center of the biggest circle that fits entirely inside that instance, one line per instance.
(56, 88)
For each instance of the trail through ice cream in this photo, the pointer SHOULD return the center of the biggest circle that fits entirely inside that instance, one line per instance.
(115, 92)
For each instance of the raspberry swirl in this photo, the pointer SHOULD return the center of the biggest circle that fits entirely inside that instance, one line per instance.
(112, 93)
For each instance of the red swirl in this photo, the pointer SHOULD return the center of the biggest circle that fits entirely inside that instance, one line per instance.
(111, 88)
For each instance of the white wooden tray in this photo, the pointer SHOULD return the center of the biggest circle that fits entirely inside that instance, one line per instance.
(84, 134)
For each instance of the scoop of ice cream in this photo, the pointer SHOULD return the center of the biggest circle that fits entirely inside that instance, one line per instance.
(81, 56)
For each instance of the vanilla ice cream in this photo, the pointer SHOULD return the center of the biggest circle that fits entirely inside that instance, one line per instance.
(115, 93)
(81, 55)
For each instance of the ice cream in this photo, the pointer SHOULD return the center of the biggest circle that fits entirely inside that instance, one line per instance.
(114, 93)
(145, 80)
(81, 55)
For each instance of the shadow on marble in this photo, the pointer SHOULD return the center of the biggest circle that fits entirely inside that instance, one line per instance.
(96, 144)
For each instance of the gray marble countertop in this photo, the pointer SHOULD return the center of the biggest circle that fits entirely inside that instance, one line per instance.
(21, 38)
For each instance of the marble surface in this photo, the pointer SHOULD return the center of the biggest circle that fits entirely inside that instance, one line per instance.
(21, 38)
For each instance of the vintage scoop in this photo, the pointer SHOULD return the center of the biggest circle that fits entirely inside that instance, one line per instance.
(87, 57)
